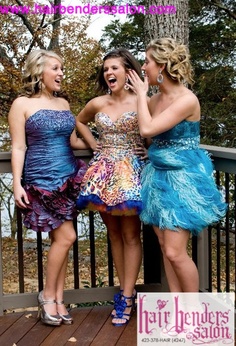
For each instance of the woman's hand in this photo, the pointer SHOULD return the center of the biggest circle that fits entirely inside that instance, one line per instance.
(21, 198)
(141, 151)
(97, 148)
(137, 85)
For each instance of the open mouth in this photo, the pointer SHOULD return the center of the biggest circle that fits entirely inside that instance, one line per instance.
(112, 81)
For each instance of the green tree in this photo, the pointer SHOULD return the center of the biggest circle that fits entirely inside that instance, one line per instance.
(129, 34)
(212, 46)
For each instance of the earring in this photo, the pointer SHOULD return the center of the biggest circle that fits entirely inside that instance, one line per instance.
(109, 91)
(126, 86)
(40, 85)
(160, 77)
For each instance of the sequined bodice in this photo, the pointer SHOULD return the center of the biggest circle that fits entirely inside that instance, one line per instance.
(49, 125)
(185, 135)
(168, 149)
(120, 134)
(49, 159)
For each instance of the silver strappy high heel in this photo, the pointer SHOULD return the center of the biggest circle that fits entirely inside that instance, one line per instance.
(66, 319)
(53, 320)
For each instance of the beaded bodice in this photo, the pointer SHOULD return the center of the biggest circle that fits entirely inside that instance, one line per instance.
(185, 135)
(49, 155)
(168, 149)
(54, 126)
(121, 135)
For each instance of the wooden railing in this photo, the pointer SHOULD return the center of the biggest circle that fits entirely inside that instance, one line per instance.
(153, 273)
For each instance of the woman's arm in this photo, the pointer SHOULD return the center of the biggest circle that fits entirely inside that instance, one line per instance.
(82, 119)
(153, 123)
(77, 143)
(16, 119)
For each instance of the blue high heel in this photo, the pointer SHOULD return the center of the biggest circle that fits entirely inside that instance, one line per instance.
(134, 297)
(117, 298)
(120, 314)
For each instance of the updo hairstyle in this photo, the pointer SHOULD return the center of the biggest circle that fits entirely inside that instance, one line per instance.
(175, 56)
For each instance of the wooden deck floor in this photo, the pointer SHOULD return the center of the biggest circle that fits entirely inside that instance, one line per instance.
(92, 326)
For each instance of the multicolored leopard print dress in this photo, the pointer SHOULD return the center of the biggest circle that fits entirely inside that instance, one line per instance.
(112, 181)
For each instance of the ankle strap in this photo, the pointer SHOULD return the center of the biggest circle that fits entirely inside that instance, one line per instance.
(60, 303)
(124, 297)
(48, 302)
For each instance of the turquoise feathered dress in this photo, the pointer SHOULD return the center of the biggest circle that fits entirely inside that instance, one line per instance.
(178, 186)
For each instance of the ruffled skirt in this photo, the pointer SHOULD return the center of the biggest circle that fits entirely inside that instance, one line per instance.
(112, 185)
(179, 190)
(49, 209)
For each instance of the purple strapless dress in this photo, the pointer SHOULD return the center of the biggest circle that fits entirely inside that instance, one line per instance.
(52, 174)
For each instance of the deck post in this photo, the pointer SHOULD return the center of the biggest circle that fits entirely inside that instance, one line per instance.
(203, 260)
(1, 265)
(154, 272)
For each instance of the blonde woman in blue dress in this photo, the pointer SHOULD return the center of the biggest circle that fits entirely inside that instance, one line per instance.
(46, 174)
(111, 184)
(178, 189)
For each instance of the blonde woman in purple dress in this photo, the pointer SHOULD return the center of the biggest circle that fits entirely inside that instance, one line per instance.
(46, 174)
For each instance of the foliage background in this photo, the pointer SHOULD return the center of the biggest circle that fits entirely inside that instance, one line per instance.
(212, 44)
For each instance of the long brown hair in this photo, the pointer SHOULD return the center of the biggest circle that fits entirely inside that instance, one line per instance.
(128, 60)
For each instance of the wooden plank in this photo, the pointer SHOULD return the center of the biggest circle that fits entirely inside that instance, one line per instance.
(59, 336)
(5, 159)
(91, 326)
(129, 336)
(7, 321)
(18, 329)
(73, 296)
(36, 335)
(108, 334)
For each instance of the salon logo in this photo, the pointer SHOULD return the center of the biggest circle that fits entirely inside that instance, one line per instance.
(89, 9)
(185, 318)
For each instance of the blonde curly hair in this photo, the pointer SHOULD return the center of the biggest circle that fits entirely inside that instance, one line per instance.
(175, 56)
(33, 69)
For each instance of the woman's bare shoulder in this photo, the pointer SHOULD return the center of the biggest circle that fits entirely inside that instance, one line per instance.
(21, 100)
(63, 102)
(97, 103)
(20, 105)
(99, 100)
